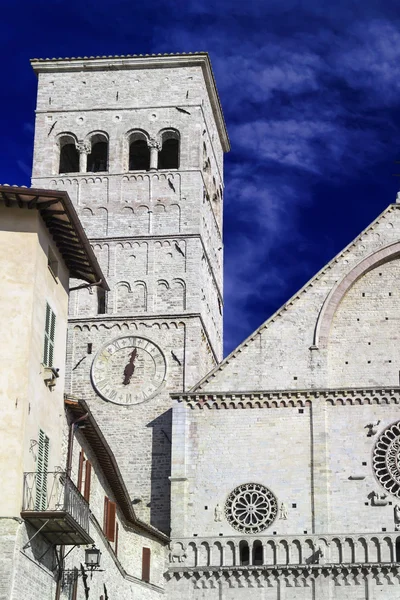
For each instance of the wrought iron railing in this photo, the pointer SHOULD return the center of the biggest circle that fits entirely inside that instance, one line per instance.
(54, 492)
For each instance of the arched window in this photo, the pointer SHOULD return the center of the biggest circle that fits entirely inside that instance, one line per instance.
(97, 160)
(69, 155)
(257, 553)
(398, 549)
(101, 301)
(139, 152)
(244, 553)
(168, 157)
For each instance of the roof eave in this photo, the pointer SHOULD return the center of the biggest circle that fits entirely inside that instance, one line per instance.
(39, 199)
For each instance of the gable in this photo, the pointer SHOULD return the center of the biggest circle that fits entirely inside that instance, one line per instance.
(291, 349)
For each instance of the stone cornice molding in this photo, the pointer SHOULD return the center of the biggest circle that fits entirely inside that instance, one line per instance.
(342, 574)
(289, 398)
(132, 62)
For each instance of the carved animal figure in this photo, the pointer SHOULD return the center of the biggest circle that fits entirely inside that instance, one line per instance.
(177, 553)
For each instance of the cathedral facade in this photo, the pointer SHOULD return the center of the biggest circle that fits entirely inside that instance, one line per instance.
(274, 474)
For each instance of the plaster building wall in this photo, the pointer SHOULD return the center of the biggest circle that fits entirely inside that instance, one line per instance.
(27, 285)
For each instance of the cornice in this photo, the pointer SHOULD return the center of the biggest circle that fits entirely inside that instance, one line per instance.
(289, 398)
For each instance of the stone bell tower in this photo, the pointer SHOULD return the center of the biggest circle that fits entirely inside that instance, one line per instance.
(138, 143)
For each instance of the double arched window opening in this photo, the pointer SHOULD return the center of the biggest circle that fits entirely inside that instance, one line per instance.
(86, 156)
(146, 153)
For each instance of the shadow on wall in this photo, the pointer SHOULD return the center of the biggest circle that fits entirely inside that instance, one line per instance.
(160, 472)
(41, 549)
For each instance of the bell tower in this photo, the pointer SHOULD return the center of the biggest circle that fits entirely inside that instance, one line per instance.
(138, 143)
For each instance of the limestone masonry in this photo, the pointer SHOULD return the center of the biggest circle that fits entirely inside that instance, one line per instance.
(273, 474)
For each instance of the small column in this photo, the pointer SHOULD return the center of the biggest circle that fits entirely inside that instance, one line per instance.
(236, 554)
(264, 547)
(155, 148)
(84, 148)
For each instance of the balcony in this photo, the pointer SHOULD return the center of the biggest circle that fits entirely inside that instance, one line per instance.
(53, 505)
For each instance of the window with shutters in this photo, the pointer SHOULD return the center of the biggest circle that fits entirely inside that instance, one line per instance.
(42, 466)
(49, 335)
(110, 509)
(146, 564)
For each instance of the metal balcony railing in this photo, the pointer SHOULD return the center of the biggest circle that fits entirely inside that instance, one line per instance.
(54, 504)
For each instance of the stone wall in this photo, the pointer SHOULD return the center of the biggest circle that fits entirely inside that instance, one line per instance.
(304, 346)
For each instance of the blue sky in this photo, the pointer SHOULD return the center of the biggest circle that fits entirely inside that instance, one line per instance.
(311, 96)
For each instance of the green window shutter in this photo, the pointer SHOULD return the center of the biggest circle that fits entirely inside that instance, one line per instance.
(42, 466)
(49, 335)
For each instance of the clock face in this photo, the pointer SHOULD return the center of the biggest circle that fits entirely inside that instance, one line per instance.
(128, 370)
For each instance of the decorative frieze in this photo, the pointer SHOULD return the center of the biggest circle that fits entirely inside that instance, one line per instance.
(290, 399)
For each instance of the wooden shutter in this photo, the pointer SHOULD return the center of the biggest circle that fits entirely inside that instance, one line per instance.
(88, 476)
(112, 509)
(116, 539)
(105, 517)
(80, 470)
(42, 466)
(146, 564)
(49, 335)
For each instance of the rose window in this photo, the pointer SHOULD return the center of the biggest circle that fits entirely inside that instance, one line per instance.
(251, 508)
(386, 459)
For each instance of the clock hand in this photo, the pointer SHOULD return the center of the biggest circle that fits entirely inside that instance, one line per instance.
(130, 368)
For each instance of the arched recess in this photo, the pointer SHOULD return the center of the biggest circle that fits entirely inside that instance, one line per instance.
(68, 154)
(139, 151)
(168, 156)
(97, 160)
(123, 297)
(325, 317)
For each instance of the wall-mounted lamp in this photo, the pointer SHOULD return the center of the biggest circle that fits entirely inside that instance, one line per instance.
(92, 558)
(92, 563)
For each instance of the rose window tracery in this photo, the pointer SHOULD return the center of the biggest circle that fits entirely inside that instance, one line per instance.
(251, 508)
(386, 459)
